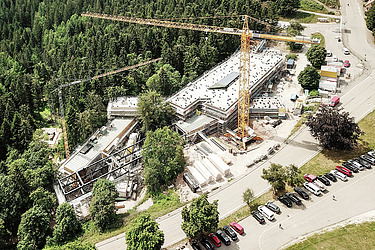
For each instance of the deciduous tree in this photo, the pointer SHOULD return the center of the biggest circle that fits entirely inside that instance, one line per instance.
(163, 158)
(292, 173)
(316, 55)
(67, 225)
(276, 176)
(102, 209)
(144, 233)
(200, 217)
(154, 112)
(33, 229)
(248, 196)
(309, 78)
(334, 128)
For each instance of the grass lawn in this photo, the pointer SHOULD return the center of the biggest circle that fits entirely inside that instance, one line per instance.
(321, 37)
(310, 5)
(360, 236)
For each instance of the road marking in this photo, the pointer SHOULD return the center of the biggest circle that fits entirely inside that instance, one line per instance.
(325, 197)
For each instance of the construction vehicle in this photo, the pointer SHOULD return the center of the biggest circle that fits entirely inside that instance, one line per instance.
(246, 36)
(61, 87)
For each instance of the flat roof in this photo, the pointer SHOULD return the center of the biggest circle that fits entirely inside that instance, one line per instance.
(78, 160)
(223, 99)
(194, 122)
(226, 81)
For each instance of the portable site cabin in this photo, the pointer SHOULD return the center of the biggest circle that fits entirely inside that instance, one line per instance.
(190, 181)
(198, 176)
(213, 170)
(290, 64)
(203, 170)
(220, 164)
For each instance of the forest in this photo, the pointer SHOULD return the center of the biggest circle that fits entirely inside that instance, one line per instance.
(44, 44)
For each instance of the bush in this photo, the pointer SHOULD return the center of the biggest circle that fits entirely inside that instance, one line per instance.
(291, 56)
(314, 93)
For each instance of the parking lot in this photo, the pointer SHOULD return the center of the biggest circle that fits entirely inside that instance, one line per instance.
(341, 200)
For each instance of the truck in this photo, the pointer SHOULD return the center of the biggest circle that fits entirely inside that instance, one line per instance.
(334, 101)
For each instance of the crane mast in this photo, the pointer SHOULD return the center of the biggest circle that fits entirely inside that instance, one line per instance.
(246, 35)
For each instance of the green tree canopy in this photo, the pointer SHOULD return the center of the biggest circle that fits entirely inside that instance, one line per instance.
(44, 199)
(286, 7)
(292, 175)
(102, 209)
(166, 81)
(248, 196)
(370, 19)
(163, 158)
(154, 112)
(33, 229)
(309, 78)
(200, 217)
(276, 176)
(144, 233)
(316, 55)
(334, 129)
(67, 225)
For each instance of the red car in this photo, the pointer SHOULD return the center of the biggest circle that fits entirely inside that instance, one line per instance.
(215, 239)
(237, 227)
(344, 170)
(346, 64)
(309, 177)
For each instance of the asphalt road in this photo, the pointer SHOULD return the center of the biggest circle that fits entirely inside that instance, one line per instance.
(359, 100)
(351, 198)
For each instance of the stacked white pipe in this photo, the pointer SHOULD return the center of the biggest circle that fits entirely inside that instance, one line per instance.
(198, 176)
(219, 164)
(213, 170)
(203, 170)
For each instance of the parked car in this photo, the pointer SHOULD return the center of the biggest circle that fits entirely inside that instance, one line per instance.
(356, 164)
(229, 231)
(214, 240)
(309, 177)
(344, 170)
(363, 163)
(320, 185)
(334, 58)
(223, 237)
(330, 177)
(324, 180)
(302, 193)
(329, 53)
(368, 158)
(346, 64)
(371, 153)
(294, 198)
(206, 244)
(195, 245)
(273, 207)
(266, 212)
(339, 175)
(277, 123)
(239, 229)
(312, 188)
(349, 166)
(258, 217)
(285, 200)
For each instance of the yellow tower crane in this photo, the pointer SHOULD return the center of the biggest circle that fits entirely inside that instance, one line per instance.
(246, 36)
(60, 90)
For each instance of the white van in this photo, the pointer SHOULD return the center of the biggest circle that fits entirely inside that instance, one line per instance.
(329, 53)
(266, 212)
(339, 175)
(346, 51)
(319, 184)
(312, 188)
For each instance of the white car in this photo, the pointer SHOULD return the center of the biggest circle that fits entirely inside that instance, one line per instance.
(339, 175)
(329, 53)
(334, 58)
(319, 184)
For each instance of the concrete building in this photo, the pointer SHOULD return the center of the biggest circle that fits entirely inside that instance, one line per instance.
(215, 93)
(122, 107)
(100, 144)
(271, 106)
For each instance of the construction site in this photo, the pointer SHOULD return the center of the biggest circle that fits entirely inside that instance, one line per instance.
(230, 116)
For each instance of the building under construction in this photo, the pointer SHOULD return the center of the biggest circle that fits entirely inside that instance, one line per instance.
(215, 93)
